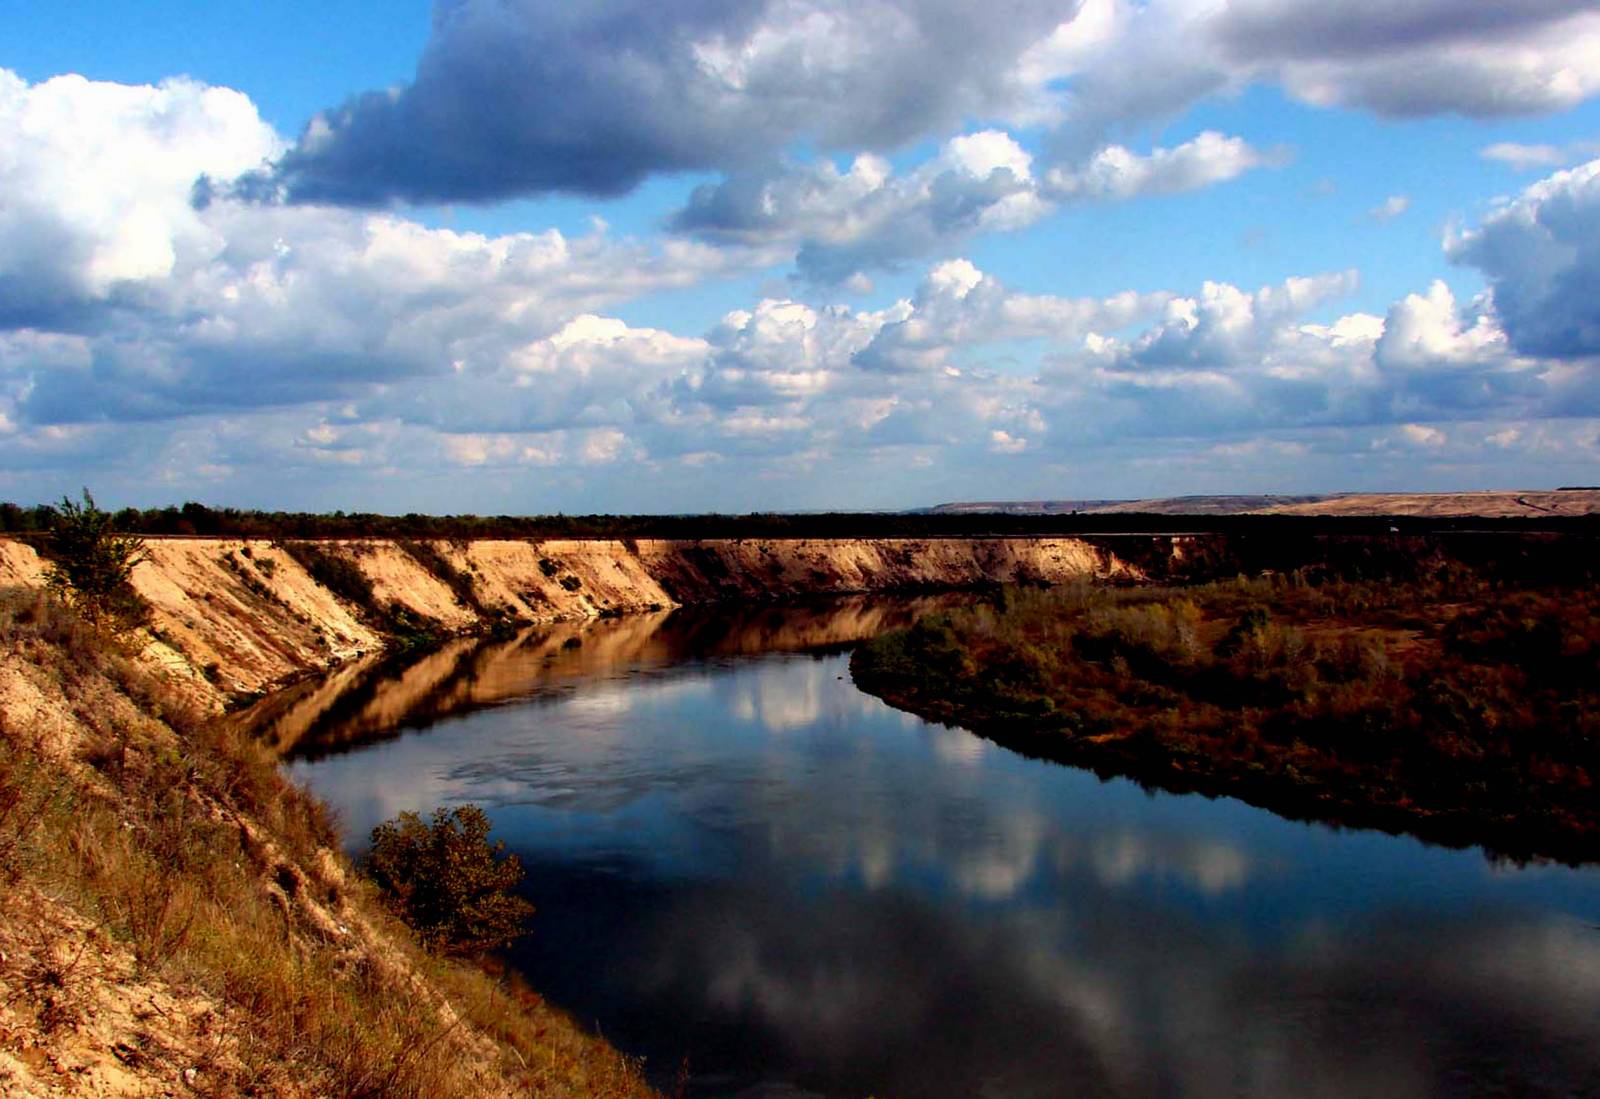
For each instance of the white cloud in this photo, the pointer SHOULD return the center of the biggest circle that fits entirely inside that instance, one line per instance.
(176, 307)
(1003, 442)
(1524, 158)
(95, 185)
(842, 223)
(1390, 208)
(1424, 331)
(369, 347)
(1116, 173)
(1224, 324)
(1423, 436)
(1541, 256)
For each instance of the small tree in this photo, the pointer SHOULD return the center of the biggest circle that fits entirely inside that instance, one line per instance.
(448, 881)
(93, 565)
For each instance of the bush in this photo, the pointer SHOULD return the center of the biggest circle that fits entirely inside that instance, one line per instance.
(448, 881)
(93, 566)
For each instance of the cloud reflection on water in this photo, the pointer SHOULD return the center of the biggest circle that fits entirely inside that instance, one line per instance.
(750, 862)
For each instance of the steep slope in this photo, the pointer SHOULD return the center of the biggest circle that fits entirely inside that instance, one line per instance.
(175, 917)
(234, 617)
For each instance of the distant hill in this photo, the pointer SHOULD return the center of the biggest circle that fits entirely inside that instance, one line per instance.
(1494, 504)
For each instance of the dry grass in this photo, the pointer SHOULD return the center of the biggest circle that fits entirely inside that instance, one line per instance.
(1462, 707)
(184, 848)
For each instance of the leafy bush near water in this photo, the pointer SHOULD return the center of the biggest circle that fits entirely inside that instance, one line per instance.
(448, 881)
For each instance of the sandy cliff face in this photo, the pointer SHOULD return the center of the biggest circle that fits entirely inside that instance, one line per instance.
(20, 565)
(242, 616)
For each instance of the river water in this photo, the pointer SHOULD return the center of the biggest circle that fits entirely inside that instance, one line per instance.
(746, 867)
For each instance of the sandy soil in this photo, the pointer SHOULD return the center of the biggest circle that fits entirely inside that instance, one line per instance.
(1487, 504)
(234, 617)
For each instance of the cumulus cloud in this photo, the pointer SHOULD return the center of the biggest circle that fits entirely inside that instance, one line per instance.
(95, 183)
(375, 349)
(1474, 57)
(1541, 255)
(958, 306)
(1231, 362)
(160, 306)
(845, 223)
(1427, 331)
(1423, 436)
(1225, 325)
(1118, 173)
(514, 97)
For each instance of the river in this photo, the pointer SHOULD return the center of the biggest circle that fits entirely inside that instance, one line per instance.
(748, 870)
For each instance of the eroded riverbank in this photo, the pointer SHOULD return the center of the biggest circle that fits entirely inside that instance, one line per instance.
(236, 618)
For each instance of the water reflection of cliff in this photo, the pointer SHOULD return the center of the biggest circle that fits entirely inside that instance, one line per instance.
(381, 696)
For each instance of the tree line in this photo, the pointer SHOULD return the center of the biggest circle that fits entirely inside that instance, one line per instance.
(196, 519)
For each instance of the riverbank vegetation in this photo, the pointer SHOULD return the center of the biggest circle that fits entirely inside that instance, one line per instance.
(175, 916)
(1455, 703)
(195, 519)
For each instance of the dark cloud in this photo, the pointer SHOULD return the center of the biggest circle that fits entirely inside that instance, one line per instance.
(1482, 58)
(518, 96)
(1256, 30)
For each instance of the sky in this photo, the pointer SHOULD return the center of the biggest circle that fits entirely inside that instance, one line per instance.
(509, 256)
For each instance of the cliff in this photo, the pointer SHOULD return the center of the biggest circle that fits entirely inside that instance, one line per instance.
(241, 617)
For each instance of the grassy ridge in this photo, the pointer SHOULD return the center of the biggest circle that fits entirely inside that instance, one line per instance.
(131, 828)
(1449, 705)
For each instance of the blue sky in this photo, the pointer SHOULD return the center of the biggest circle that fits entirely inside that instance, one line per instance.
(500, 255)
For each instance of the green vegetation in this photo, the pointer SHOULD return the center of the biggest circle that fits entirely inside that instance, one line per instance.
(445, 879)
(131, 826)
(91, 566)
(1457, 706)
(198, 519)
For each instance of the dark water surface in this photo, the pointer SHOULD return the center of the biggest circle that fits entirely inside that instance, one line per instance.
(743, 863)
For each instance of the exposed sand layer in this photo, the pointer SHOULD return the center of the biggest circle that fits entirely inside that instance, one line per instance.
(236, 616)
(1488, 505)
